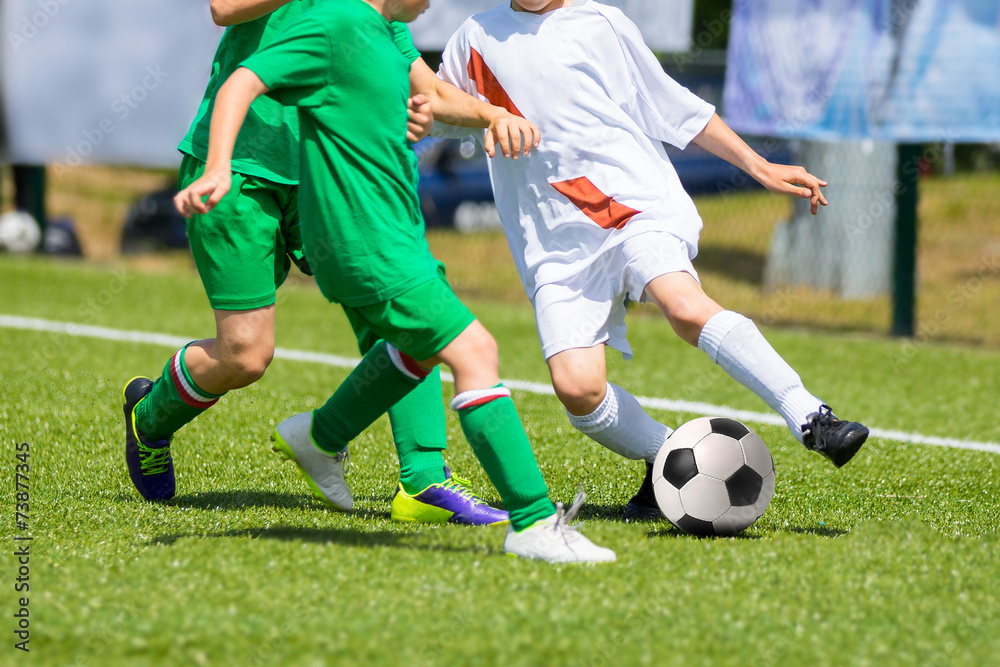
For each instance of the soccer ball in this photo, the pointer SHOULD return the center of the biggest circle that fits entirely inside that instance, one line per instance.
(19, 232)
(713, 476)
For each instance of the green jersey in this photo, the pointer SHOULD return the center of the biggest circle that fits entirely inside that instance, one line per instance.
(268, 145)
(346, 68)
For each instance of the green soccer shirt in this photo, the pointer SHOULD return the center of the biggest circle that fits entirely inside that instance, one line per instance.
(268, 145)
(346, 68)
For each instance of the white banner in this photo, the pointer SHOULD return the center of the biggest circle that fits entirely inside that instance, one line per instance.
(891, 70)
(666, 26)
(106, 81)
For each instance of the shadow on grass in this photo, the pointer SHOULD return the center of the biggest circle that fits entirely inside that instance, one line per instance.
(819, 531)
(235, 499)
(602, 513)
(338, 536)
(667, 530)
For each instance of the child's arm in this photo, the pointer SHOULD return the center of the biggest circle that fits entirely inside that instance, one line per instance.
(421, 120)
(667, 111)
(718, 139)
(231, 12)
(231, 106)
(454, 107)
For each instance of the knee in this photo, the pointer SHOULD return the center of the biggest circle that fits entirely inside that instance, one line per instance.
(684, 313)
(484, 347)
(580, 393)
(687, 317)
(245, 364)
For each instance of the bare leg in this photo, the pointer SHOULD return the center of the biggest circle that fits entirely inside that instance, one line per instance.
(238, 355)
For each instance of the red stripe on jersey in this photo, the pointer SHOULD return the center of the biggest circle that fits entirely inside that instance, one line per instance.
(488, 85)
(596, 205)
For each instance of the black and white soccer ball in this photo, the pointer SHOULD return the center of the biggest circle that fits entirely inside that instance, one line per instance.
(713, 476)
(19, 232)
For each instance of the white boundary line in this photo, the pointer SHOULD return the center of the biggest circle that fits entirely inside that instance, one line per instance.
(87, 331)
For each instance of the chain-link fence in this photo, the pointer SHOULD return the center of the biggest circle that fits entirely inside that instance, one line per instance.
(761, 254)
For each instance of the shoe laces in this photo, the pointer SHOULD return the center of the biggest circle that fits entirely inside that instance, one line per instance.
(823, 418)
(153, 460)
(564, 516)
(463, 488)
(343, 457)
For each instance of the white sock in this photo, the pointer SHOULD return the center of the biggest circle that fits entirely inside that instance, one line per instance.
(736, 344)
(620, 424)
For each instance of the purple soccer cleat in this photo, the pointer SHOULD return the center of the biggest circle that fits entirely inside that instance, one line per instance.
(451, 501)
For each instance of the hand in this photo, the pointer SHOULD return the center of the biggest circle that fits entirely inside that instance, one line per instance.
(795, 181)
(421, 118)
(214, 184)
(506, 130)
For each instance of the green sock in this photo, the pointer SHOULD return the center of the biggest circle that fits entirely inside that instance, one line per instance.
(418, 428)
(373, 387)
(174, 401)
(493, 429)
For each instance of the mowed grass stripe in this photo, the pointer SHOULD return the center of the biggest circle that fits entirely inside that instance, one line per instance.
(674, 405)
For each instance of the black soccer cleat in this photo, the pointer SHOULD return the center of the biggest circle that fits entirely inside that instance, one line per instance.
(643, 506)
(149, 462)
(835, 439)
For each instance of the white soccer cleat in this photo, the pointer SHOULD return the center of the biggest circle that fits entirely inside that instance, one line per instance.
(324, 473)
(555, 541)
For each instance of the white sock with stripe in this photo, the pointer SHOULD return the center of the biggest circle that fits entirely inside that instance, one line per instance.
(476, 397)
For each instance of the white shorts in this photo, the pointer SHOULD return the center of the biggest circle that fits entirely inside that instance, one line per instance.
(588, 309)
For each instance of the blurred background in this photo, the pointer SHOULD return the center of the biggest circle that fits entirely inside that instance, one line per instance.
(895, 102)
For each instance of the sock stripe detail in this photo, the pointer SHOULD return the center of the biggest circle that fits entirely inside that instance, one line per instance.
(477, 397)
(187, 392)
(406, 364)
(601, 418)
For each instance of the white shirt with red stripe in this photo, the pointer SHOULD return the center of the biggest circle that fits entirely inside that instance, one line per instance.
(604, 106)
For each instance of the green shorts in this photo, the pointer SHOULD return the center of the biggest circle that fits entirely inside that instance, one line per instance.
(419, 322)
(242, 246)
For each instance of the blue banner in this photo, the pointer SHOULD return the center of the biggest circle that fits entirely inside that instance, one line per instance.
(892, 70)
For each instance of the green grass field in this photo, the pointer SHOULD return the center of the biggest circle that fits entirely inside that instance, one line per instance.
(891, 560)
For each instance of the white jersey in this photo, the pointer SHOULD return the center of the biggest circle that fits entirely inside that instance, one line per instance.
(604, 106)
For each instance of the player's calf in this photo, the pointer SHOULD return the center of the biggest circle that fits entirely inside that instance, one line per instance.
(222, 365)
(684, 303)
(473, 357)
(579, 379)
